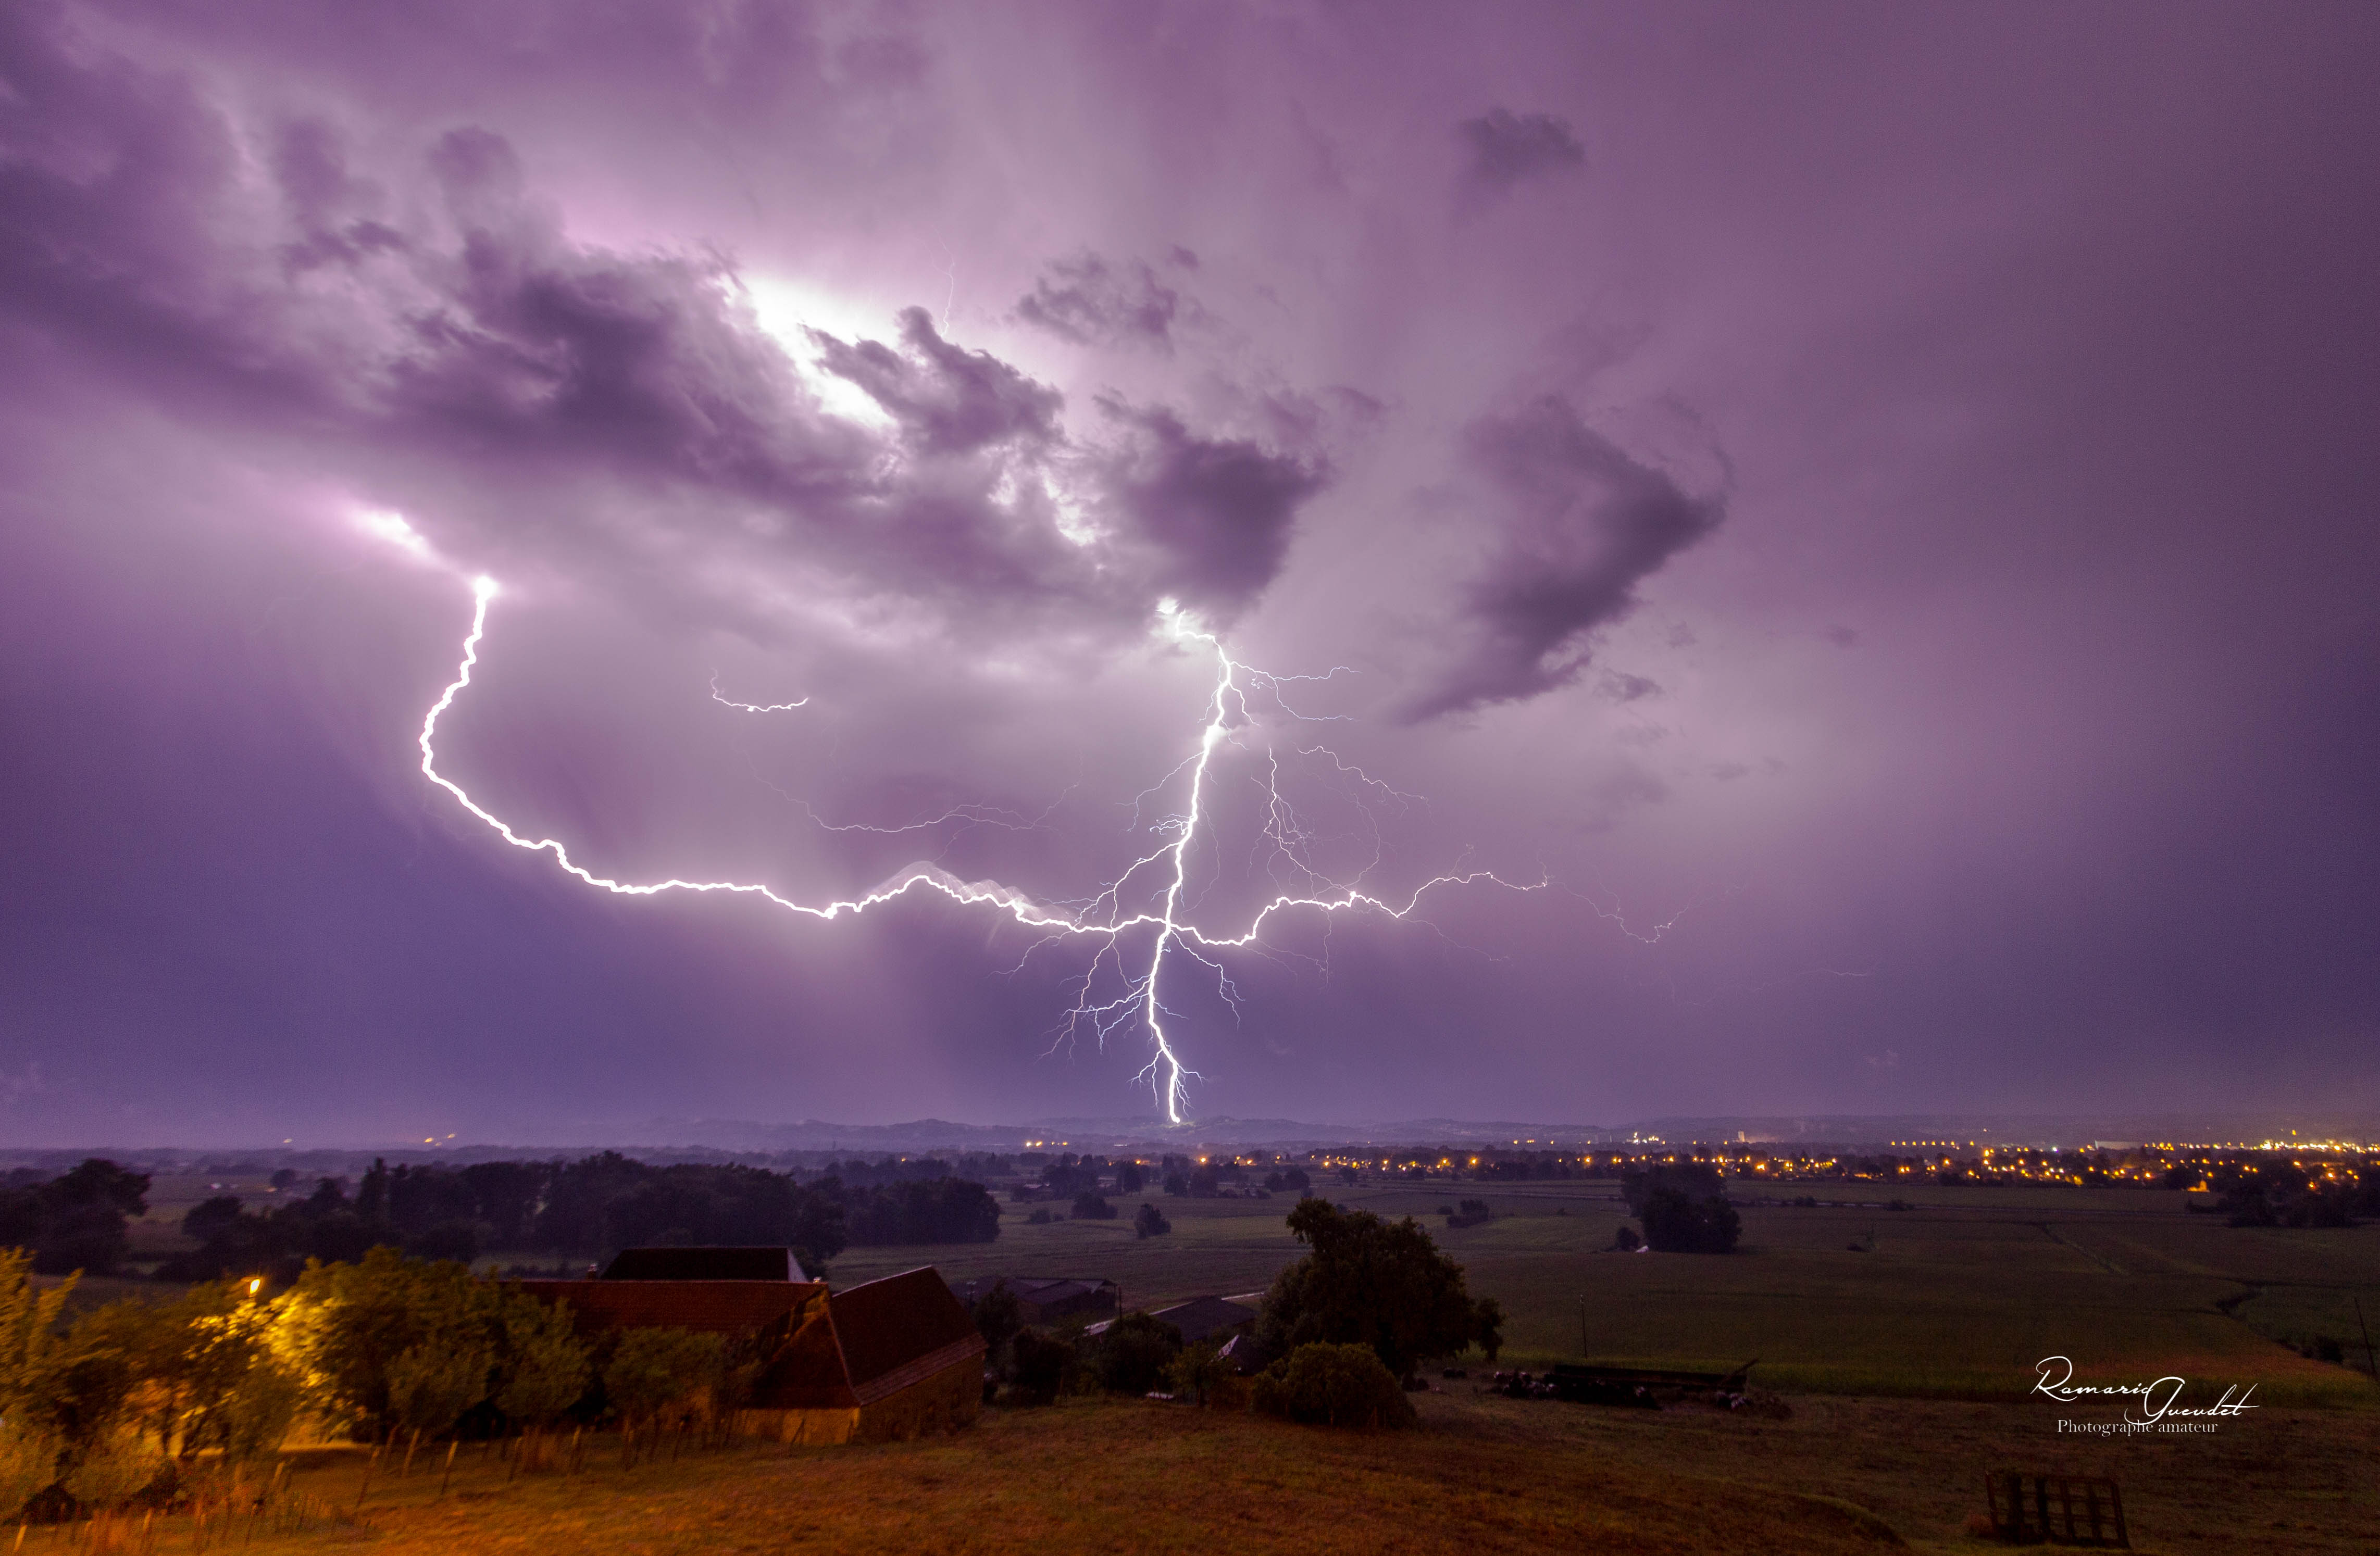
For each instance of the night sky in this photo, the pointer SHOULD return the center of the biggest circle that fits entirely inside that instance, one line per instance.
(1859, 519)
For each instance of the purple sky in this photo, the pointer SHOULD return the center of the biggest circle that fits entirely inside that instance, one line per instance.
(1873, 506)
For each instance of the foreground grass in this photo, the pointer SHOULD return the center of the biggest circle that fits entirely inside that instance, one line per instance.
(1480, 1474)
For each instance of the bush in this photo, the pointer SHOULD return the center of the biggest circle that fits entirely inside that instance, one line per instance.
(654, 1369)
(1330, 1385)
(1625, 1240)
(1151, 1223)
(1200, 1374)
(1092, 1206)
(1133, 1355)
(1039, 1365)
(1470, 1213)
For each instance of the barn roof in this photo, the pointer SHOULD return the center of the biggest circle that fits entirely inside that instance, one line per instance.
(709, 1307)
(887, 1325)
(820, 1351)
(704, 1264)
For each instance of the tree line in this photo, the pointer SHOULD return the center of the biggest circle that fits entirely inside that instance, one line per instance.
(588, 1208)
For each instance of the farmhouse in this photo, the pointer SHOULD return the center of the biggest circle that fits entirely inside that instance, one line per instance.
(897, 1358)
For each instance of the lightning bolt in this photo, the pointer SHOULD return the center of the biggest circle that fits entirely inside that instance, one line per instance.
(1103, 919)
(720, 697)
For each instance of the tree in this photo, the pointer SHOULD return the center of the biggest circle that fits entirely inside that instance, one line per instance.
(348, 1325)
(1487, 1327)
(1092, 1206)
(1128, 1178)
(1347, 1175)
(1201, 1373)
(1333, 1385)
(651, 1370)
(1296, 1178)
(212, 1218)
(997, 1317)
(1150, 1222)
(542, 1370)
(1367, 1281)
(430, 1385)
(1132, 1355)
(1675, 1223)
(1177, 1184)
(75, 1222)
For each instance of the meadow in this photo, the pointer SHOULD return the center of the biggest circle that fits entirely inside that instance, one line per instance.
(1957, 1296)
(1480, 1474)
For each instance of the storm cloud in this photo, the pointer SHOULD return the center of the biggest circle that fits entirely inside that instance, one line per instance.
(1574, 525)
(2004, 699)
(1503, 149)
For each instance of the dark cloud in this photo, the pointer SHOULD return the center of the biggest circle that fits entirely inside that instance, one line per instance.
(1090, 302)
(1576, 525)
(1624, 688)
(947, 399)
(574, 407)
(1504, 149)
(1843, 637)
(1215, 514)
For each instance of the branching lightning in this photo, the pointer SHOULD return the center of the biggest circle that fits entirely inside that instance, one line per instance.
(720, 697)
(1166, 930)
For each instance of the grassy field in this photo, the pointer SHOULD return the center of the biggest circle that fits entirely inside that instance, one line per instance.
(1480, 1474)
(1960, 1295)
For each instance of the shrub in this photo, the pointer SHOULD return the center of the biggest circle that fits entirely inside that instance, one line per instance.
(1200, 1374)
(1151, 1223)
(654, 1369)
(1134, 1354)
(1626, 1240)
(1039, 1365)
(1090, 1205)
(1333, 1385)
(1470, 1213)
(28, 1462)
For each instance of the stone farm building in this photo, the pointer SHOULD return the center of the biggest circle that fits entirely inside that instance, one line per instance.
(897, 1358)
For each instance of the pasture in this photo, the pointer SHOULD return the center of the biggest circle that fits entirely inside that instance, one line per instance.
(1957, 1296)
(1478, 1474)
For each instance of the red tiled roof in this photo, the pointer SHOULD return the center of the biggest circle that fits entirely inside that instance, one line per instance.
(711, 1307)
(888, 1324)
(851, 1349)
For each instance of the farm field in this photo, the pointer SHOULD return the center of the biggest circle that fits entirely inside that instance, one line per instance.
(1960, 1295)
(1479, 1473)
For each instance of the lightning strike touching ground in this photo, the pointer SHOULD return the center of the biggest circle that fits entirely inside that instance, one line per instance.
(1103, 919)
